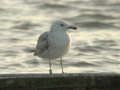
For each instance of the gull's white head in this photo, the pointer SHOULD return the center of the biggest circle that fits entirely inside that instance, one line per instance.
(61, 26)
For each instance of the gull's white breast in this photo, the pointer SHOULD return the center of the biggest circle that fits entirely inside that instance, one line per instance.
(59, 43)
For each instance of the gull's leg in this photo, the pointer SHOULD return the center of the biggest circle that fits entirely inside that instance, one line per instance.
(50, 67)
(61, 63)
(50, 64)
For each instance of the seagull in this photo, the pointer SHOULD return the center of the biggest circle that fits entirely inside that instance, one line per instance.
(55, 43)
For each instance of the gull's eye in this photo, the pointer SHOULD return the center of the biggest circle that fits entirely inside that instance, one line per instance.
(62, 25)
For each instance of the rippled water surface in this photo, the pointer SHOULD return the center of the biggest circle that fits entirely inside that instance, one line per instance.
(95, 46)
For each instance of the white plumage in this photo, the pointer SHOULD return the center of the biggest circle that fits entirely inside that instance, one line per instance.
(54, 43)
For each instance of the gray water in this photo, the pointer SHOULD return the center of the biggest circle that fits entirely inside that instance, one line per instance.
(95, 45)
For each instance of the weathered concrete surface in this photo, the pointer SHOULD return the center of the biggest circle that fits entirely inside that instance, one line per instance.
(60, 82)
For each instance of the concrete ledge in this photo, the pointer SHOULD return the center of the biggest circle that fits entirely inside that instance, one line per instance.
(72, 81)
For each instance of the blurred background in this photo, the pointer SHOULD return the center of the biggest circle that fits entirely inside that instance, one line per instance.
(95, 45)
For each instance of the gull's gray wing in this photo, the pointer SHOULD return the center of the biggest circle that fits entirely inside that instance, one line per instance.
(42, 46)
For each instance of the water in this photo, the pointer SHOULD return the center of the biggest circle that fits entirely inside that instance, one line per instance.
(96, 43)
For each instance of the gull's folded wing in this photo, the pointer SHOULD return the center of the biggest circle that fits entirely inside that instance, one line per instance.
(42, 45)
